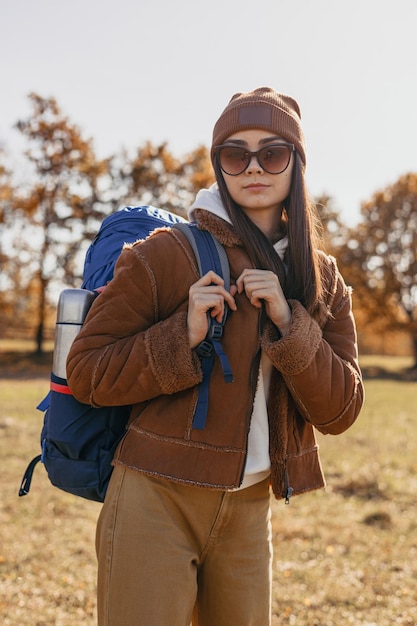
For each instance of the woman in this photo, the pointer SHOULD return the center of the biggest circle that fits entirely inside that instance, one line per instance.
(186, 520)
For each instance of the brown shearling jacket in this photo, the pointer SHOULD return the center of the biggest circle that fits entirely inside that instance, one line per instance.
(133, 349)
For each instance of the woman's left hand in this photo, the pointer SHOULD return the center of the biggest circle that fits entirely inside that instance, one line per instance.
(263, 286)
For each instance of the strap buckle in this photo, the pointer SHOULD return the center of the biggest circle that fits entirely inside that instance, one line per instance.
(215, 331)
(204, 349)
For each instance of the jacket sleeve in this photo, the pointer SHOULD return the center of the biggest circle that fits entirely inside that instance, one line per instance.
(320, 365)
(128, 351)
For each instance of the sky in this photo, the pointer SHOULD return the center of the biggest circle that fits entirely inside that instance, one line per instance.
(163, 70)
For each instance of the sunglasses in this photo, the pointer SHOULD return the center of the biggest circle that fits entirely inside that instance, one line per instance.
(274, 158)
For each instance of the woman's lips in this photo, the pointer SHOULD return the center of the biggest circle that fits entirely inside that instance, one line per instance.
(256, 186)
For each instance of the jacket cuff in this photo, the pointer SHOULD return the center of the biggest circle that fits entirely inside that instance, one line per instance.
(294, 352)
(175, 366)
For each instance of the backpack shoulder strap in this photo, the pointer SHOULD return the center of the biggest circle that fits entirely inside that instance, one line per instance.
(209, 252)
(210, 255)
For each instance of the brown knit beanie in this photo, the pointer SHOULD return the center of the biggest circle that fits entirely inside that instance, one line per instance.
(263, 108)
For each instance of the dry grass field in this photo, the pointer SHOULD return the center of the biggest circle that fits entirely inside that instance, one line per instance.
(343, 556)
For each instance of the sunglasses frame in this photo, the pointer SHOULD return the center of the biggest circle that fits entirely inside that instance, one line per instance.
(250, 155)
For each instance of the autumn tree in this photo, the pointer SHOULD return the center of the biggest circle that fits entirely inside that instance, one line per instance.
(6, 269)
(331, 228)
(198, 173)
(155, 176)
(60, 207)
(380, 258)
(6, 188)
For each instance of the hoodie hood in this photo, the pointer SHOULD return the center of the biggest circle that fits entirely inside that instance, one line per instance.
(209, 200)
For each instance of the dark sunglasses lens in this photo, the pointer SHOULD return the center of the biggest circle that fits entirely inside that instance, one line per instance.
(274, 159)
(233, 160)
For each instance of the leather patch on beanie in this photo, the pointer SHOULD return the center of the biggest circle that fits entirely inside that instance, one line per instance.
(255, 115)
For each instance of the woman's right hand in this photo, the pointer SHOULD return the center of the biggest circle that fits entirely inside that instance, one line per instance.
(207, 295)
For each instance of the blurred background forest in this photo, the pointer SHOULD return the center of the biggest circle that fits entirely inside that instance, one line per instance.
(47, 223)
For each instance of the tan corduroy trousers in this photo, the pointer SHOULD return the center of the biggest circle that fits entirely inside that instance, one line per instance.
(165, 549)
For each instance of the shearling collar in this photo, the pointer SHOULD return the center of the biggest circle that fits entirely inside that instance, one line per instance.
(221, 229)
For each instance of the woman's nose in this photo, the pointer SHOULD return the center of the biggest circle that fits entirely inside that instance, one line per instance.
(254, 166)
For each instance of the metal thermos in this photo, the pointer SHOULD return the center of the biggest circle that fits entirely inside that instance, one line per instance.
(73, 306)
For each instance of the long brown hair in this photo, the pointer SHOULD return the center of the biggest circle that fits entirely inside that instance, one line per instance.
(299, 274)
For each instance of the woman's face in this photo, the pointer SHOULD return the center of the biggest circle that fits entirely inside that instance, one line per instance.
(259, 194)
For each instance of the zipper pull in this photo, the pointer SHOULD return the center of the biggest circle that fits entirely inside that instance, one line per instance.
(288, 494)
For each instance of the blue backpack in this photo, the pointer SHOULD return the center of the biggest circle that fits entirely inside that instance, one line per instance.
(78, 441)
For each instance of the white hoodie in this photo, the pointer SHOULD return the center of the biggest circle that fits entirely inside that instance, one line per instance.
(257, 463)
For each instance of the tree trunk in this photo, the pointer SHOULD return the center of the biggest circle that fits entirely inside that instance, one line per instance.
(414, 340)
(39, 339)
(41, 314)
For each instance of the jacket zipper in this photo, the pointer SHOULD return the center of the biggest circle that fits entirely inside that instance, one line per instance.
(288, 491)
